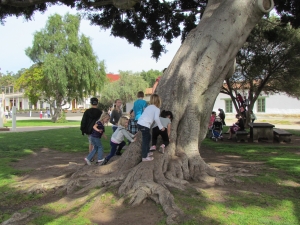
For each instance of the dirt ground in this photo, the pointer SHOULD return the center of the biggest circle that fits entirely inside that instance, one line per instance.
(46, 165)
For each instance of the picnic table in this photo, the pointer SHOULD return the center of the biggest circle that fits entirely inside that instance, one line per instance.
(261, 131)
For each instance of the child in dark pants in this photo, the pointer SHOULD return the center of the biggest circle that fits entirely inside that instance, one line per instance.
(165, 118)
(117, 139)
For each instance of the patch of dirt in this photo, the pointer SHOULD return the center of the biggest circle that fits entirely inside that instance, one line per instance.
(48, 165)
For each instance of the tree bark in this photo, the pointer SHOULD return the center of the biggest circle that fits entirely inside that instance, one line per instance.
(188, 88)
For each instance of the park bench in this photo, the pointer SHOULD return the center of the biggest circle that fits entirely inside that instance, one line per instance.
(241, 135)
(74, 110)
(82, 110)
(282, 135)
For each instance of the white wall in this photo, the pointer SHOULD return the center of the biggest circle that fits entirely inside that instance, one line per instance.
(275, 104)
(283, 104)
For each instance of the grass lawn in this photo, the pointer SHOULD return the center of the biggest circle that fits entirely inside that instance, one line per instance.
(281, 206)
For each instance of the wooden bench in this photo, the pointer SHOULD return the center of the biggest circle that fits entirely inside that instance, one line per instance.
(282, 135)
(241, 135)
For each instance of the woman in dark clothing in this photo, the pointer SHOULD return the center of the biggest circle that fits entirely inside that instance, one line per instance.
(239, 125)
(222, 116)
(240, 100)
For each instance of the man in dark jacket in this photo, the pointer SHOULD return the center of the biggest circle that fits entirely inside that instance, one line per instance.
(89, 119)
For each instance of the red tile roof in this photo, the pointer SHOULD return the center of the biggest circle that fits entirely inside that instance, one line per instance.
(113, 77)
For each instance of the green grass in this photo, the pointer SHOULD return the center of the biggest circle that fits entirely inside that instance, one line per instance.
(201, 207)
(15, 146)
(275, 156)
(41, 123)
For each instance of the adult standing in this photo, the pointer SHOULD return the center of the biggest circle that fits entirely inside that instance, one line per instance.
(48, 113)
(89, 119)
(116, 114)
(222, 115)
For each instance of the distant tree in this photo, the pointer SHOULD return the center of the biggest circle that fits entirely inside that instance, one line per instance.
(31, 81)
(150, 76)
(125, 88)
(268, 62)
(7, 79)
(69, 65)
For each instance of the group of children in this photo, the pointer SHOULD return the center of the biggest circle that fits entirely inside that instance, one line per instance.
(143, 117)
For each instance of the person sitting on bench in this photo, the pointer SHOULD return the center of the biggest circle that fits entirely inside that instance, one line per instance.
(239, 125)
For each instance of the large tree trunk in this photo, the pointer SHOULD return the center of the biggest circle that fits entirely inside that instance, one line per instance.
(188, 88)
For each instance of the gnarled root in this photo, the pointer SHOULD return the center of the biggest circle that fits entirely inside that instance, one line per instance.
(145, 189)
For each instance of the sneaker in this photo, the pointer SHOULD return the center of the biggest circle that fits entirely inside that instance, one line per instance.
(153, 148)
(147, 159)
(162, 149)
(118, 153)
(87, 161)
(105, 161)
(100, 161)
(150, 154)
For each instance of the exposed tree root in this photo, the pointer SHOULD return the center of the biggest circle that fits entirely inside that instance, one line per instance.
(136, 180)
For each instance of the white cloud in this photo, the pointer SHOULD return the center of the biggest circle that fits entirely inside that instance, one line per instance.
(17, 35)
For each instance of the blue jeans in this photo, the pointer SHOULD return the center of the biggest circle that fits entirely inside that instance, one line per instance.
(114, 149)
(96, 142)
(145, 140)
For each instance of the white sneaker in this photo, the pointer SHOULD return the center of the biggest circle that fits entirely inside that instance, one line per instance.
(87, 161)
(147, 159)
(153, 148)
(162, 148)
(150, 154)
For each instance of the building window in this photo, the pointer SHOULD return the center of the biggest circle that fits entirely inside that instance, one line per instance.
(261, 105)
(228, 106)
(30, 105)
(41, 104)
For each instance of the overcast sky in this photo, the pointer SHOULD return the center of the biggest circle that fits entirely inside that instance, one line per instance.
(17, 34)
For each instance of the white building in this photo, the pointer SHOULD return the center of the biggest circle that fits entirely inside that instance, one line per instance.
(11, 97)
(265, 104)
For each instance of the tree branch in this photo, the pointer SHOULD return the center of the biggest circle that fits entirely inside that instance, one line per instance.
(25, 3)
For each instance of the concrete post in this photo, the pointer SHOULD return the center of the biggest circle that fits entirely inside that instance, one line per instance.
(14, 115)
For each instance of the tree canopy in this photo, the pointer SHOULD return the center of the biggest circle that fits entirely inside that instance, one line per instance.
(268, 62)
(7, 79)
(69, 66)
(150, 76)
(158, 21)
(32, 83)
(126, 88)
